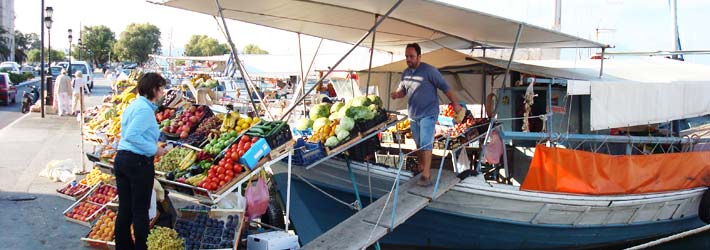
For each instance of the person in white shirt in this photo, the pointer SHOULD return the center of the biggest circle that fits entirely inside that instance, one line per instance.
(64, 92)
(78, 86)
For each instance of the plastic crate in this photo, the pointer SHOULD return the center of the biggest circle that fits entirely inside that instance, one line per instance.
(305, 153)
(257, 151)
(364, 126)
(278, 138)
(365, 150)
(302, 133)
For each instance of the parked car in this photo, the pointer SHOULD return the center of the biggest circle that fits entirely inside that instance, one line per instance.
(85, 70)
(8, 90)
(27, 69)
(62, 64)
(9, 68)
(54, 71)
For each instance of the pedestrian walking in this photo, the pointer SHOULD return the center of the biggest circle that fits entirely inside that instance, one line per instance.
(419, 83)
(133, 165)
(63, 85)
(79, 87)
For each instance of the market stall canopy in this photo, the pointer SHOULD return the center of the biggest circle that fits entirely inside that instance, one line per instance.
(431, 24)
(440, 58)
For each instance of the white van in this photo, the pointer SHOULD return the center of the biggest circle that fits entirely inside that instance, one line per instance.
(86, 71)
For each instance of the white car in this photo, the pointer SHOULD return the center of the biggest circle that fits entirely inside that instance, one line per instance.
(10, 67)
(86, 71)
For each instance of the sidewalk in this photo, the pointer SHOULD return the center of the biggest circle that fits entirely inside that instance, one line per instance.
(28, 144)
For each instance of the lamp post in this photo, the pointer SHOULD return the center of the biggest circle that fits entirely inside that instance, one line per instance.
(48, 23)
(81, 45)
(69, 67)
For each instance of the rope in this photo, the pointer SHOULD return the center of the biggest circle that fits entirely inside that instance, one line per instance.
(353, 206)
(671, 238)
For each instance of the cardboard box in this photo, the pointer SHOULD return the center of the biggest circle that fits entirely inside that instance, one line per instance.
(276, 240)
(258, 150)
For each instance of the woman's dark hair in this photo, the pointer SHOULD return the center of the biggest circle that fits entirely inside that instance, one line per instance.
(416, 47)
(150, 82)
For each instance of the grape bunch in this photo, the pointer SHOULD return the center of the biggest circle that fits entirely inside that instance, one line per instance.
(200, 134)
(164, 238)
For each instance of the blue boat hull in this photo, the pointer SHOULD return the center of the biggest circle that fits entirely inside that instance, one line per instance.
(313, 213)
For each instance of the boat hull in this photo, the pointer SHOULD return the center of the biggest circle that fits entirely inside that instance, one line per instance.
(313, 213)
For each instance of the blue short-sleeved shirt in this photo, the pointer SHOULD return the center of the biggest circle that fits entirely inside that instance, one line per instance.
(421, 85)
(139, 129)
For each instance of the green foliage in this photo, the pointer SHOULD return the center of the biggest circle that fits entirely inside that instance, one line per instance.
(202, 45)
(17, 78)
(253, 49)
(137, 42)
(33, 55)
(100, 40)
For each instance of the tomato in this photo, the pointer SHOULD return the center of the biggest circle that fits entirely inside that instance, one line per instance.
(234, 156)
(212, 170)
(228, 167)
(229, 161)
(247, 146)
(238, 168)
(221, 183)
(220, 177)
(241, 152)
(213, 186)
(222, 162)
(229, 172)
(234, 146)
(220, 170)
(253, 140)
(245, 138)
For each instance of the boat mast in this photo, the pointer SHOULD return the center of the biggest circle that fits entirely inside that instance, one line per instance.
(676, 36)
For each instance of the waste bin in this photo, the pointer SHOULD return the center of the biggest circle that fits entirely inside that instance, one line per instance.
(49, 91)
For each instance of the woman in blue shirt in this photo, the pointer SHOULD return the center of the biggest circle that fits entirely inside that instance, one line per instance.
(133, 165)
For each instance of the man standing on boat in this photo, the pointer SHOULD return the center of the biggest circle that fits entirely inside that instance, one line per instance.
(419, 84)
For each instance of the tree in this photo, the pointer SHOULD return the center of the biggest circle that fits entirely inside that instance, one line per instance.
(100, 40)
(137, 42)
(202, 45)
(33, 55)
(253, 49)
(4, 44)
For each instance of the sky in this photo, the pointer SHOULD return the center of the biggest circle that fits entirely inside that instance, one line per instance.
(629, 25)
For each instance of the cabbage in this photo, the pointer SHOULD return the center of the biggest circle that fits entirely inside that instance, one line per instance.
(361, 101)
(341, 133)
(337, 106)
(320, 122)
(372, 107)
(375, 100)
(304, 123)
(331, 142)
(346, 123)
(319, 110)
(334, 116)
(360, 113)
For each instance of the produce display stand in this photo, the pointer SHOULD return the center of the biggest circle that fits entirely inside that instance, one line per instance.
(85, 190)
(209, 197)
(370, 132)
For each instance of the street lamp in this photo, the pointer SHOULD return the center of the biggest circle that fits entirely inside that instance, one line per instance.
(70, 37)
(48, 24)
(80, 45)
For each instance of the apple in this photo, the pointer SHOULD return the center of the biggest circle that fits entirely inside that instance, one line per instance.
(193, 119)
(183, 135)
(192, 109)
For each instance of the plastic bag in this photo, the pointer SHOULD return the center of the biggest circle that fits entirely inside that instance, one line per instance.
(62, 171)
(257, 197)
(462, 161)
(233, 200)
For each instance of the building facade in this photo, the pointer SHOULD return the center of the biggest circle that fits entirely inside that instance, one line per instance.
(7, 22)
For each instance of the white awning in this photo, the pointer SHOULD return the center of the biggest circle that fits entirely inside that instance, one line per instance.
(431, 24)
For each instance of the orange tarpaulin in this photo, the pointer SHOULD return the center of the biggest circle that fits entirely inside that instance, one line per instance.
(580, 172)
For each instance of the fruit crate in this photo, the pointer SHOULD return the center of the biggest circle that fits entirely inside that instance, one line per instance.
(229, 230)
(279, 137)
(95, 190)
(366, 127)
(392, 160)
(81, 191)
(90, 217)
(207, 113)
(306, 153)
(302, 133)
(97, 243)
(364, 151)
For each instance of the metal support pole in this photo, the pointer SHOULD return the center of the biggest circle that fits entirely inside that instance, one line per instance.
(41, 63)
(382, 18)
(601, 67)
(235, 57)
(441, 167)
(304, 78)
(300, 60)
(369, 68)
(396, 189)
(495, 111)
(548, 121)
(354, 182)
(288, 190)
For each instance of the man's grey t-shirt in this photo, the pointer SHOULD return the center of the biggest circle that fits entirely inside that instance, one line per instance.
(421, 85)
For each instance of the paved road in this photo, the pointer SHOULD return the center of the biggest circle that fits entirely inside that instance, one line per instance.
(11, 112)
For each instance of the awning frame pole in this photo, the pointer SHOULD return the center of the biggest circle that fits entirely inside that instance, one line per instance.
(495, 111)
(382, 18)
(303, 81)
(235, 57)
(601, 67)
(369, 68)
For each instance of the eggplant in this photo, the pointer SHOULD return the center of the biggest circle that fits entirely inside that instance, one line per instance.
(170, 176)
(196, 169)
